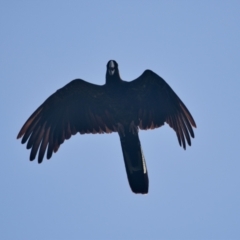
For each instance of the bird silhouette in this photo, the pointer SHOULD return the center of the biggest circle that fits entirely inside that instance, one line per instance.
(117, 106)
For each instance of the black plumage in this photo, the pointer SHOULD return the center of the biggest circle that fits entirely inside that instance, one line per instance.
(117, 106)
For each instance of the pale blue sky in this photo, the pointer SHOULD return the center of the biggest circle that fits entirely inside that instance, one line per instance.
(82, 192)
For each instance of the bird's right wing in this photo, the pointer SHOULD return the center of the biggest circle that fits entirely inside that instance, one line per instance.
(77, 107)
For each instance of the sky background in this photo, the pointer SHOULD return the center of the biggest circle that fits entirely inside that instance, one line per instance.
(82, 192)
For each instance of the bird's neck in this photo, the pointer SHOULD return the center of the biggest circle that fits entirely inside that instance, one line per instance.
(115, 79)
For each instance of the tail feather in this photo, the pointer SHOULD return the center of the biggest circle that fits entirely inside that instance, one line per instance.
(134, 162)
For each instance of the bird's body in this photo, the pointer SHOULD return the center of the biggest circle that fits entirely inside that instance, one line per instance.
(117, 106)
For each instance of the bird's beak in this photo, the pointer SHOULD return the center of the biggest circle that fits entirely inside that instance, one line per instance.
(111, 71)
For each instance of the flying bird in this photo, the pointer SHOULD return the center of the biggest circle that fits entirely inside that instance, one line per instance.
(117, 106)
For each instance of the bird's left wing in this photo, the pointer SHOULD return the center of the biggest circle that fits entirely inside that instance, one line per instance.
(157, 103)
(77, 107)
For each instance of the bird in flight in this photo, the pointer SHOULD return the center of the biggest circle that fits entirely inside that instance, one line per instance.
(117, 106)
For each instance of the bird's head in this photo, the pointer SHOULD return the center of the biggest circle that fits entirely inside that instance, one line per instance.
(111, 67)
(112, 71)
